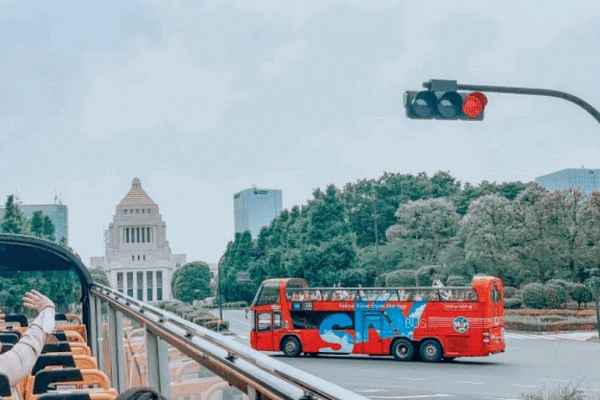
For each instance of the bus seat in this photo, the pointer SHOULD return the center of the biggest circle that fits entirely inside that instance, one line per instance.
(4, 387)
(12, 331)
(16, 319)
(65, 360)
(6, 347)
(68, 336)
(83, 395)
(58, 347)
(9, 337)
(79, 378)
(79, 328)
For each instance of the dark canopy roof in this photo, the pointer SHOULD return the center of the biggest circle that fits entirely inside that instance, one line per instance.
(28, 253)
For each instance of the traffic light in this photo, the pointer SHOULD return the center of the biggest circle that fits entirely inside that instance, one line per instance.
(442, 100)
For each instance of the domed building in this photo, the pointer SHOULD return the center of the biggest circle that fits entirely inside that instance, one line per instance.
(138, 259)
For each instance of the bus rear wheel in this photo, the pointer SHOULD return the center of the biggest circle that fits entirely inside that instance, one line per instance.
(430, 351)
(403, 350)
(291, 346)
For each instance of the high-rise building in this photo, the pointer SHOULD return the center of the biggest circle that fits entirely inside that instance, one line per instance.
(58, 214)
(254, 208)
(138, 259)
(584, 179)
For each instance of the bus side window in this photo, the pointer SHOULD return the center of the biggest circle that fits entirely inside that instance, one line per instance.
(263, 321)
(277, 320)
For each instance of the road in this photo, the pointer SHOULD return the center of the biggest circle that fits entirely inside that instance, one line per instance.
(531, 363)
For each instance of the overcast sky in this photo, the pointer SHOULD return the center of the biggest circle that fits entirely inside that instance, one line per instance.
(201, 99)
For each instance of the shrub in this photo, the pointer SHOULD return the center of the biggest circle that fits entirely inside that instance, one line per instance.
(581, 294)
(533, 295)
(456, 280)
(380, 280)
(513, 303)
(594, 285)
(402, 277)
(427, 274)
(561, 282)
(510, 292)
(556, 295)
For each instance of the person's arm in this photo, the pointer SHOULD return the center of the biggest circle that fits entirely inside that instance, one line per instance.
(17, 363)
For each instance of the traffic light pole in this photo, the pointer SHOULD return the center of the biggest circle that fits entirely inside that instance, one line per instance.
(531, 92)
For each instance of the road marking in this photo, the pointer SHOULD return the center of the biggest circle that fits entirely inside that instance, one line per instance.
(525, 386)
(405, 378)
(470, 382)
(414, 396)
(372, 391)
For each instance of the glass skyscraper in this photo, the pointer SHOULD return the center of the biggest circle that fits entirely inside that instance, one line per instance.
(58, 213)
(254, 208)
(584, 179)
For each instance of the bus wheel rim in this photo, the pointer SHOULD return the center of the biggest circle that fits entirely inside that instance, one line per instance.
(430, 350)
(290, 346)
(403, 350)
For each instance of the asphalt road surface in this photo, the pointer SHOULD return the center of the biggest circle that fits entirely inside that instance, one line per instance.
(531, 363)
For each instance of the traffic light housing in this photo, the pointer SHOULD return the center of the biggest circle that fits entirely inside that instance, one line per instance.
(442, 100)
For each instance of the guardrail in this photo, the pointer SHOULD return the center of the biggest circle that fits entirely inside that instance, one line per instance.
(254, 374)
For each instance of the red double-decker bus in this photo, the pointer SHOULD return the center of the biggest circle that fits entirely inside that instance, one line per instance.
(432, 324)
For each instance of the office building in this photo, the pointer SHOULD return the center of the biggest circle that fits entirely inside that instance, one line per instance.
(58, 213)
(254, 208)
(138, 259)
(584, 179)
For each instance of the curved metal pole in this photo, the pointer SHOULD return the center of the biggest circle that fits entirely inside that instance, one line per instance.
(535, 92)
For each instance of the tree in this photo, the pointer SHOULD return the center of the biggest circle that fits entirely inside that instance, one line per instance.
(48, 228)
(99, 276)
(37, 224)
(426, 228)
(13, 220)
(581, 294)
(402, 277)
(192, 282)
(489, 235)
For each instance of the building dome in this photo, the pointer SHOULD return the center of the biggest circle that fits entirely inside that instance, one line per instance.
(136, 195)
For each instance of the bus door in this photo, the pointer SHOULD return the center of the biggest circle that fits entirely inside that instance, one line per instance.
(263, 326)
(372, 326)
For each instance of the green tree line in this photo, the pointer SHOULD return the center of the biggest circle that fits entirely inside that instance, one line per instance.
(404, 229)
(61, 286)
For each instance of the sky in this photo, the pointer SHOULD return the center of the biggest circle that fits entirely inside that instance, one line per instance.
(201, 99)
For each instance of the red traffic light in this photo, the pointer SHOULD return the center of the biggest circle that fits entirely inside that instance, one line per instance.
(474, 104)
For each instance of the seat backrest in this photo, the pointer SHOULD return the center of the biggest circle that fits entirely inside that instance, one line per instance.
(64, 360)
(12, 331)
(5, 347)
(9, 337)
(78, 396)
(19, 319)
(4, 386)
(83, 378)
(58, 347)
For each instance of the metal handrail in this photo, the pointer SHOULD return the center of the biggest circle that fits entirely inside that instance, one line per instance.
(230, 358)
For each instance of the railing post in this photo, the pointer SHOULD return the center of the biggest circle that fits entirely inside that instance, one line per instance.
(158, 364)
(117, 349)
(99, 322)
(94, 326)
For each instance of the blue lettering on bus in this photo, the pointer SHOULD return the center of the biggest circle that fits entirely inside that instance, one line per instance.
(388, 322)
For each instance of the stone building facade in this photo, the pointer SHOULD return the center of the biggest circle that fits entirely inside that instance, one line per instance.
(138, 259)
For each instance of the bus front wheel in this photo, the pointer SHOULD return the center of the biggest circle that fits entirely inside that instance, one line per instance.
(403, 350)
(430, 351)
(291, 346)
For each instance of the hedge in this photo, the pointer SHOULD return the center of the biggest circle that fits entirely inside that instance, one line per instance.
(555, 295)
(402, 277)
(533, 295)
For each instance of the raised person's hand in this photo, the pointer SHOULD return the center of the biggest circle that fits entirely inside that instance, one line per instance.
(36, 301)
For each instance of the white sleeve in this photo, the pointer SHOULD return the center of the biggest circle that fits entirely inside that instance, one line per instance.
(18, 362)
